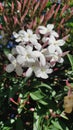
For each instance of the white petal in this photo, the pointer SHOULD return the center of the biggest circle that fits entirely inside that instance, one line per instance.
(42, 75)
(19, 70)
(37, 46)
(29, 48)
(50, 27)
(22, 32)
(49, 71)
(52, 40)
(58, 49)
(51, 48)
(20, 59)
(61, 60)
(21, 50)
(42, 29)
(45, 39)
(42, 60)
(39, 55)
(60, 42)
(11, 58)
(10, 68)
(18, 39)
(14, 51)
(15, 34)
(29, 31)
(33, 40)
(29, 72)
(55, 34)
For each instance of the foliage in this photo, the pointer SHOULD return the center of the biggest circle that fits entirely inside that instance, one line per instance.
(30, 102)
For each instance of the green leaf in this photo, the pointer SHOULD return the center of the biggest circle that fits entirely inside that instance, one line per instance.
(64, 116)
(44, 85)
(37, 122)
(37, 95)
(70, 57)
(43, 102)
(57, 125)
(6, 52)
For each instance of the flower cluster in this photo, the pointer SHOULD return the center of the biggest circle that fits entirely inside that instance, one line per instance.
(36, 52)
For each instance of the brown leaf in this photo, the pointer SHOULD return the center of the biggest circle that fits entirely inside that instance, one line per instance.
(68, 103)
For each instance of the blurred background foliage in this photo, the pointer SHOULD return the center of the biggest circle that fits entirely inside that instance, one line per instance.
(32, 103)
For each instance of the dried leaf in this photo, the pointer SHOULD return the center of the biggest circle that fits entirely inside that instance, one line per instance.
(68, 103)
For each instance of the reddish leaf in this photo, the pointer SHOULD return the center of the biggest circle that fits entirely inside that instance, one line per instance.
(26, 11)
(5, 19)
(49, 14)
(15, 20)
(63, 9)
(41, 19)
(43, 5)
(1, 27)
(56, 11)
(12, 7)
(33, 2)
(24, 4)
(34, 22)
(18, 5)
(36, 7)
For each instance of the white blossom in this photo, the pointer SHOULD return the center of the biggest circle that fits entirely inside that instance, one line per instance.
(36, 53)
(40, 71)
(14, 66)
(48, 30)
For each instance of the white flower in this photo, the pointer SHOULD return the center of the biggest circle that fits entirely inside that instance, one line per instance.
(55, 57)
(19, 36)
(40, 57)
(53, 41)
(32, 38)
(48, 30)
(54, 48)
(25, 37)
(27, 56)
(14, 66)
(40, 71)
(36, 53)
(24, 55)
